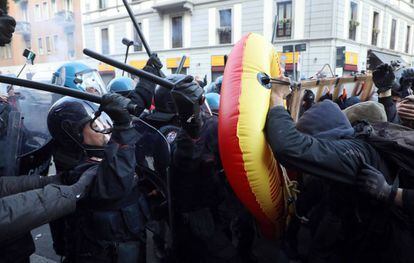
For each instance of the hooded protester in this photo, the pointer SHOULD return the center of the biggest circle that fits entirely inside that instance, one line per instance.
(306, 236)
(371, 181)
(325, 147)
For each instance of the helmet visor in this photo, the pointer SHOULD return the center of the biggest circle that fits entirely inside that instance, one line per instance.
(91, 82)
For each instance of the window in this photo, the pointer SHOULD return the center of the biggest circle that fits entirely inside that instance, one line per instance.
(71, 44)
(6, 52)
(53, 7)
(393, 29)
(55, 42)
(28, 43)
(69, 5)
(284, 17)
(40, 45)
(105, 40)
(48, 45)
(137, 40)
(102, 4)
(353, 21)
(375, 29)
(177, 31)
(24, 12)
(407, 40)
(45, 11)
(38, 13)
(225, 29)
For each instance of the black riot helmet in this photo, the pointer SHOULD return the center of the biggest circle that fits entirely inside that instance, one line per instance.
(163, 100)
(66, 120)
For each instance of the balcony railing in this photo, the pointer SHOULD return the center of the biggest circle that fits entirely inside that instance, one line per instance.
(66, 18)
(23, 27)
(171, 6)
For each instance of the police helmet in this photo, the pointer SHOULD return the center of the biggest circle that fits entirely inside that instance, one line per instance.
(66, 119)
(121, 85)
(162, 97)
(76, 75)
(218, 83)
(213, 100)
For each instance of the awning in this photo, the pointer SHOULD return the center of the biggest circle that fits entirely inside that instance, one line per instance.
(174, 62)
(105, 67)
(376, 58)
(139, 64)
(171, 6)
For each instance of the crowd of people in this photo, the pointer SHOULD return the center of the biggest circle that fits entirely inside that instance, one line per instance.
(145, 164)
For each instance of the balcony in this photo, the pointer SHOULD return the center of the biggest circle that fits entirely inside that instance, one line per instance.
(171, 6)
(24, 28)
(66, 19)
(21, 2)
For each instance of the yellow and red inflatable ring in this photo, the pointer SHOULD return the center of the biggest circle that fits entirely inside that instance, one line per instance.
(248, 161)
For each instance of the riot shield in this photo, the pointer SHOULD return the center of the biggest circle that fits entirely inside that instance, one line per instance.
(153, 157)
(25, 146)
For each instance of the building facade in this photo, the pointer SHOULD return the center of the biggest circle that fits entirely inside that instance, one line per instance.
(341, 33)
(349, 35)
(52, 29)
(204, 31)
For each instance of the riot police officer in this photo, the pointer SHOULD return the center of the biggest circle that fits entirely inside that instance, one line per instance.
(197, 187)
(71, 151)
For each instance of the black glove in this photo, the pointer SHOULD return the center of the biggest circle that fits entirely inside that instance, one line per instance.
(116, 106)
(188, 96)
(153, 65)
(383, 77)
(372, 182)
(7, 26)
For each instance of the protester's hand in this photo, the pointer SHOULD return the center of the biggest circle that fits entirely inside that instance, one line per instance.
(279, 93)
(372, 182)
(188, 96)
(406, 108)
(383, 77)
(116, 106)
(7, 26)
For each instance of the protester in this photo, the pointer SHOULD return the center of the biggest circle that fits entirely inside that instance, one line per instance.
(331, 152)
(28, 202)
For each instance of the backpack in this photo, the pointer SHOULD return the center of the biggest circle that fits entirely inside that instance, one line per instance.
(395, 144)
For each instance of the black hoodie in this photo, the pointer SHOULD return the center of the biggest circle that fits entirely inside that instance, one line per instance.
(330, 151)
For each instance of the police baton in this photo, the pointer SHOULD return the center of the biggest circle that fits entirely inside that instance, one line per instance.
(181, 65)
(138, 29)
(57, 89)
(134, 71)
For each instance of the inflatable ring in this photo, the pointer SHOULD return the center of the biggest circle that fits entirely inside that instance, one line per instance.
(248, 161)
